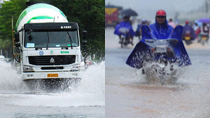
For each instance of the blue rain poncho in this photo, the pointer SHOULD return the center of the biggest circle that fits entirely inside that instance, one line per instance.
(124, 24)
(157, 31)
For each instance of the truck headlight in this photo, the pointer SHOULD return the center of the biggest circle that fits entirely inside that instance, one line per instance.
(76, 66)
(27, 68)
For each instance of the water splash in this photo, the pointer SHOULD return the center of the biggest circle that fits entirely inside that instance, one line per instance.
(93, 82)
(90, 91)
(10, 80)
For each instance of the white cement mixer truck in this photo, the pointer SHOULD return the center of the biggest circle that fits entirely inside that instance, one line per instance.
(48, 45)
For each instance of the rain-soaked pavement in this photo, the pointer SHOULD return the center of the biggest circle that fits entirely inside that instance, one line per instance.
(84, 99)
(129, 95)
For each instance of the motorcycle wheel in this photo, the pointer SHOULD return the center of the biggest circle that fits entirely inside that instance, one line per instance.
(188, 42)
(162, 76)
(122, 42)
(126, 42)
(203, 42)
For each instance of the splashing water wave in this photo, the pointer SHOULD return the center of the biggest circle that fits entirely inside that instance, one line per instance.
(89, 91)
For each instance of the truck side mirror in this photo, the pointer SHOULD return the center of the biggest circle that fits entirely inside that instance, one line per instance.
(84, 34)
(17, 37)
(17, 45)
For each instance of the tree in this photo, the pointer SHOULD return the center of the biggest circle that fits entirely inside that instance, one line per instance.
(10, 10)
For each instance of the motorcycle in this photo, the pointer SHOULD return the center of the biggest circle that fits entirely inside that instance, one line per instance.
(124, 40)
(160, 63)
(188, 38)
(204, 38)
(160, 57)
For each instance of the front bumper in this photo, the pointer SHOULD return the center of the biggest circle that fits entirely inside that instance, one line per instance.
(45, 75)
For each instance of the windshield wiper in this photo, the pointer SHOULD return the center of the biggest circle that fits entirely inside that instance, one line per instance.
(47, 40)
(37, 48)
(64, 47)
(70, 40)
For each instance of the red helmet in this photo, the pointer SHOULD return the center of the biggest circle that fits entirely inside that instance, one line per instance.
(160, 13)
(186, 22)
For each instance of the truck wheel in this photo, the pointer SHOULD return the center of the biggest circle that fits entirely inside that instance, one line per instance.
(34, 84)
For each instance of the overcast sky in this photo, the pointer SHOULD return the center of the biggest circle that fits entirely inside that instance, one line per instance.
(147, 8)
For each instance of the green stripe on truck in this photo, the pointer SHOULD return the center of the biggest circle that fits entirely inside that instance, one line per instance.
(40, 17)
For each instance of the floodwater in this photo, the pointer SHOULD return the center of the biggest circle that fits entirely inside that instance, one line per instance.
(84, 99)
(129, 95)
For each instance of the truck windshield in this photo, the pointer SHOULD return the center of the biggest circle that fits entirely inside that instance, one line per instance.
(43, 39)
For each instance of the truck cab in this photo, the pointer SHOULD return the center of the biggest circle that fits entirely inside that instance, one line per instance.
(49, 50)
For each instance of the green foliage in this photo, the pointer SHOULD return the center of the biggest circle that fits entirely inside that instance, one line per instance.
(10, 10)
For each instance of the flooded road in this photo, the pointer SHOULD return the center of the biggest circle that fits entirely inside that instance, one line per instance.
(84, 99)
(129, 95)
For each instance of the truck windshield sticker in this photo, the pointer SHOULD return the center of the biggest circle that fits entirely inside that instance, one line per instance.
(30, 45)
(64, 52)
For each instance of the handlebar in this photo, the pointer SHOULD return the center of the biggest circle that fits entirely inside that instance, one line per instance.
(153, 40)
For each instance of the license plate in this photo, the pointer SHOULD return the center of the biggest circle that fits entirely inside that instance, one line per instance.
(204, 38)
(187, 38)
(161, 49)
(52, 75)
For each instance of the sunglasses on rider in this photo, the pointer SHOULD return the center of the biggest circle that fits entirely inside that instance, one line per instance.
(160, 16)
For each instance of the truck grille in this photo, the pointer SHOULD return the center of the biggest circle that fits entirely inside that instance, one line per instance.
(52, 60)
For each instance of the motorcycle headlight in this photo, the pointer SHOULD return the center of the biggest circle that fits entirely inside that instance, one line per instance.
(27, 68)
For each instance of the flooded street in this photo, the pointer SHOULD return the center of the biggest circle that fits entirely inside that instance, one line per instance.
(85, 99)
(129, 95)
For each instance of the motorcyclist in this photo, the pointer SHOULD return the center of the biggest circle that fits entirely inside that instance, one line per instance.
(171, 23)
(188, 29)
(125, 24)
(195, 26)
(159, 30)
(138, 32)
